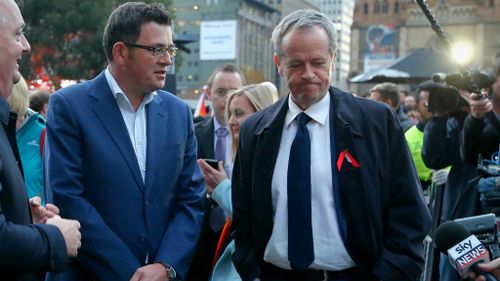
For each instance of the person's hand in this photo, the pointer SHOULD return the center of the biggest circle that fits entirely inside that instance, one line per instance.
(414, 116)
(70, 230)
(440, 176)
(212, 176)
(492, 267)
(478, 106)
(150, 272)
(40, 213)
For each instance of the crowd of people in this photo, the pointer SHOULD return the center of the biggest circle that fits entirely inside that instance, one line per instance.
(112, 180)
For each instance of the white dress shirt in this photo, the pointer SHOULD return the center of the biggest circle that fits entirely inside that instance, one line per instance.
(134, 120)
(329, 250)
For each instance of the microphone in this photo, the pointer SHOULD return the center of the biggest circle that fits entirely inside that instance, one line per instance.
(464, 250)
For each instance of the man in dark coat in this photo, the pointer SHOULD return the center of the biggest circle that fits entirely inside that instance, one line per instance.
(358, 211)
(26, 250)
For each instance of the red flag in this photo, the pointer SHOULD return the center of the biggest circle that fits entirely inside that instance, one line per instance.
(201, 109)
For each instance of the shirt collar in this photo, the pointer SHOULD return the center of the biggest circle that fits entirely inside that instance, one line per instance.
(318, 111)
(117, 91)
(217, 125)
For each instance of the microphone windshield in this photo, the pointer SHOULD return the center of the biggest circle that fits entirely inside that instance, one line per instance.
(448, 235)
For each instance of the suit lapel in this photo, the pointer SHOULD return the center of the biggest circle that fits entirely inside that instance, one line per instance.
(267, 148)
(157, 121)
(207, 138)
(108, 112)
(351, 195)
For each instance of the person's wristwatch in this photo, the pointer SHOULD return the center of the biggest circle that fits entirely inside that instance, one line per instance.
(170, 271)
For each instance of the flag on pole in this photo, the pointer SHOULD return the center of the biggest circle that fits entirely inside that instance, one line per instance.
(201, 109)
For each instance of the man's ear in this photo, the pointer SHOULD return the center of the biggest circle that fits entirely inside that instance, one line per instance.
(391, 103)
(208, 93)
(277, 63)
(119, 52)
(334, 60)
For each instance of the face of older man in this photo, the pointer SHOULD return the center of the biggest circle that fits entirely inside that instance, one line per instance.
(13, 45)
(306, 64)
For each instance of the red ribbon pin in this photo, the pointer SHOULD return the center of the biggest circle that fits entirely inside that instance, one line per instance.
(346, 155)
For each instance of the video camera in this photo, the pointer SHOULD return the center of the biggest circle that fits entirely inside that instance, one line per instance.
(447, 98)
(485, 228)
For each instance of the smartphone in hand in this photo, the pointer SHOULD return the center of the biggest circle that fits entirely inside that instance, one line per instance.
(213, 163)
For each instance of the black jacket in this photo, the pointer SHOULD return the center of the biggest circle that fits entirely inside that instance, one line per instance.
(26, 250)
(480, 137)
(382, 200)
(442, 149)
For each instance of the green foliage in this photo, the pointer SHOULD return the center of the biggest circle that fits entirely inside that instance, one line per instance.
(66, 36)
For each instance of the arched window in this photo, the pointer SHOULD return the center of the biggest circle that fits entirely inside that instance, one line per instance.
(396, 7)
(385, 7)
(365, 8)
(376, 7)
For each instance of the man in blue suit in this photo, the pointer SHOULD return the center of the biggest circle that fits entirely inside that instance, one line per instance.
(121, 158)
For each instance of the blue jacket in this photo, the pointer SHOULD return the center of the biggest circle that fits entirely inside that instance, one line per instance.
(93, 173)
(28, 142)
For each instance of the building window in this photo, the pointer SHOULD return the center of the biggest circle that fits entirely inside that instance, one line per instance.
(385, 7)
(365, 8)
(376, 7)
(396, 7)
(492, 3)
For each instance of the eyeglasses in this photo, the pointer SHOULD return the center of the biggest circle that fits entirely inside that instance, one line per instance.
(157, 51)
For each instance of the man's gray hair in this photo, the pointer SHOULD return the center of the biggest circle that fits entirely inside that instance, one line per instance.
(304, 19)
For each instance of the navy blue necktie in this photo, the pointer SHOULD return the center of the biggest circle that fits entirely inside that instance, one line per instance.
(300, 238)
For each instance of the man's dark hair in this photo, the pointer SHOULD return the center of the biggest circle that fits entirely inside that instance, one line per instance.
(230, 68)
(124, 24)
(38, 99)
(426, 86)
(388, 91)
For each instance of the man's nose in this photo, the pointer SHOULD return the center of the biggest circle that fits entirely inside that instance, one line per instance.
(25, 44)
(308, 72)
(166, 59)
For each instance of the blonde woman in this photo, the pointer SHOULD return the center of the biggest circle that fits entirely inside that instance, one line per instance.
(241, 104)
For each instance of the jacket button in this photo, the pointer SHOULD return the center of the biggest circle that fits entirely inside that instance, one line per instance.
(146, 203)
(142, 238)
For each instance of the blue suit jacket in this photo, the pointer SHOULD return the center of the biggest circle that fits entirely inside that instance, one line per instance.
(93, 174)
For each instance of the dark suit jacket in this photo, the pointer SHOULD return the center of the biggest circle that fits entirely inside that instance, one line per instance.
(26, 250)
(201, 266)
(205, 137)
(382, 201)
(94, 175)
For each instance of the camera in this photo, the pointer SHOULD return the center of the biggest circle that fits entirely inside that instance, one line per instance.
(447, 98)
(469, 80)
(485, 228)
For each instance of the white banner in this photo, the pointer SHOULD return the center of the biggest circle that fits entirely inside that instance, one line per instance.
(218, 40)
